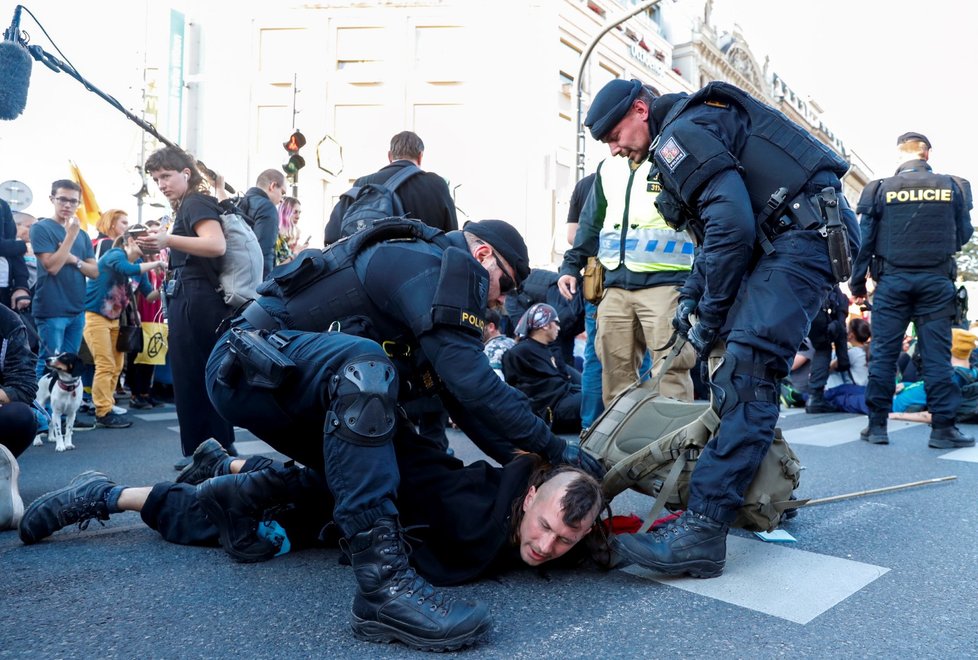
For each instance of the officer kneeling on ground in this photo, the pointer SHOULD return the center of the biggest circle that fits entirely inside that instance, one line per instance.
(912, 223)
(762, 199)
(317, 366)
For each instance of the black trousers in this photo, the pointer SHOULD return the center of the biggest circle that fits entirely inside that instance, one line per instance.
(17, 427)
(195, 312)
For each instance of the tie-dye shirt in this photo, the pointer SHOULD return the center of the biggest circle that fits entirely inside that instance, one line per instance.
(109, 293)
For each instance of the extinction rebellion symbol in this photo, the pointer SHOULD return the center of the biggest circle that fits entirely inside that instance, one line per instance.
(156, 345)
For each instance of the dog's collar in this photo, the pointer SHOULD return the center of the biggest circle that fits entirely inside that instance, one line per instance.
(69, 387)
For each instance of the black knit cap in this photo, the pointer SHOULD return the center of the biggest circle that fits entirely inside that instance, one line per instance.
(610, 105)
(503, 238)
(910, 137)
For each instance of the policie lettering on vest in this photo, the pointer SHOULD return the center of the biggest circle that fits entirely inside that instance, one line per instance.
(918, 195)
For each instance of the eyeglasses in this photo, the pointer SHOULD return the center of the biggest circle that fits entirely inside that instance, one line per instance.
(506, 283)
(67, 201)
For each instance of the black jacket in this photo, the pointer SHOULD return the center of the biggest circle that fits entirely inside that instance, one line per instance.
(17, 363)
(424, 196)
(13, 250)
(262, 216)
(539, 373)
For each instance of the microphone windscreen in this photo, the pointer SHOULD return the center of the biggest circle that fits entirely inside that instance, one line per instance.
(15, 77)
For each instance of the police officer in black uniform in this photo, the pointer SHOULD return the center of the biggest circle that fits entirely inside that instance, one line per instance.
(762, 198)
(912, 224)
(317, 366)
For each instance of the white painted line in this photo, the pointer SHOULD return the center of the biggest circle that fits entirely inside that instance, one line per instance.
(791, 412)
(787, 583)
(253, 447)
(157, 417)
(838, 432)
(967, 454)
(175, 429)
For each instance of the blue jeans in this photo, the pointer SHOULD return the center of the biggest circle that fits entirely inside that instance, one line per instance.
(58, 334)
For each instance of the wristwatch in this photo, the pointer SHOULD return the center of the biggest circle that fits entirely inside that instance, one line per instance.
(78, 264)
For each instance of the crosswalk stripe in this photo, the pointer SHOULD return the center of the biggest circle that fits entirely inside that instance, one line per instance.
(830, 434)
(968, 454)
(157, 417)
(790, 584)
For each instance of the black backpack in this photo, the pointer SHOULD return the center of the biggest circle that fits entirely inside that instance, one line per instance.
(374, 201)
(968, 408)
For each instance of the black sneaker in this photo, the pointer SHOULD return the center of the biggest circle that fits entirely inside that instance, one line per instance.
(79, 502)
(140, 403)
(949, 438)
(207, 457)
(83, 424)
(112, 421)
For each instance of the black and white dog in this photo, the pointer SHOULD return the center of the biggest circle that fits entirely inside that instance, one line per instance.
(63, 386)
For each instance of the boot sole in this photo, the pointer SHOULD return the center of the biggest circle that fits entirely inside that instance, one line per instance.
(215, 513)
(374, 631)
(948, 445)
(12, 509)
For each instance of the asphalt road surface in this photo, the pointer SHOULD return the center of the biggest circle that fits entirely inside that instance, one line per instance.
(887, 576)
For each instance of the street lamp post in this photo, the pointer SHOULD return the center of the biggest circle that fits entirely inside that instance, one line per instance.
(580, 77)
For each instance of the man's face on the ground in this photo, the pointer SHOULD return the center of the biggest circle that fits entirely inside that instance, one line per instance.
(65, 203)
(630, 137)
(543, 534)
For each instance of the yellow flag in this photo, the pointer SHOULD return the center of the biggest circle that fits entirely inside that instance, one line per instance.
(88, 211)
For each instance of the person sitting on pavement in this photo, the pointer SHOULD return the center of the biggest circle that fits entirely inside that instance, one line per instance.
(18, 387)
(496, 343)
(535, 368)
(476, 520)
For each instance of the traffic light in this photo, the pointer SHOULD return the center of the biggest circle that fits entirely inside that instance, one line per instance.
(295, 162)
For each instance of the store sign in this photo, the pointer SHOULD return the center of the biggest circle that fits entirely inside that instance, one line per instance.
(647, 59)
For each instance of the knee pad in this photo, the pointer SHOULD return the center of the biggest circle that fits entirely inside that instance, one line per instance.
(364, 399)
(755, 383)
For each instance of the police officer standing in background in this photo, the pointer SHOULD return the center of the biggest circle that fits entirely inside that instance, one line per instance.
(912, 224)
(763, 200)
(318, 366)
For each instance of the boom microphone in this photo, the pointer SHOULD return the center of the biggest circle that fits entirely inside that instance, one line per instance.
(15, 71)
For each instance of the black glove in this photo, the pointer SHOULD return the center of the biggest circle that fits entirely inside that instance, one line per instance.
(681, 321)
(702, 338)
(560, 451)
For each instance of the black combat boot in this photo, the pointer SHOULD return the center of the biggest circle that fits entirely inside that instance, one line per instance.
(692, 543)
(949, 437)
(875, 433)
(79, 502)
(237, 503)
(817, 404)
(394, 603)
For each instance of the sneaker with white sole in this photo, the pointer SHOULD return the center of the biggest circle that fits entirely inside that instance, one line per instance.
(11, 505)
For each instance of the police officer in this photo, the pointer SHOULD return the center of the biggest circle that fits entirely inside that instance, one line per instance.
(339, 337)
(912, 224)
(757, 193)
(645, 260)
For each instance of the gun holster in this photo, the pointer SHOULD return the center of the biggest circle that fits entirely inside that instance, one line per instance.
(255, 356)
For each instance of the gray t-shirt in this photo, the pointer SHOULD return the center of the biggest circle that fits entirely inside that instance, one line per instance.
(62, 294)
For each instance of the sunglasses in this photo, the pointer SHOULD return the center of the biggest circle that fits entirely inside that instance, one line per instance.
(506, 283)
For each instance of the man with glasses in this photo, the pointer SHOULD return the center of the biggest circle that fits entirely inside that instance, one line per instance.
(391, 313)
(65, 257)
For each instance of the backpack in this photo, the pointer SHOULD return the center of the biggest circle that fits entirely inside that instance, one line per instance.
(968, 408)
(650, 443)
(541, 286)
(241, 266)
(374, 201)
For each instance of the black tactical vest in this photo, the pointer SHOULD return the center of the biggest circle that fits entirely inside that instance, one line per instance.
(915, 212)
(776, 152)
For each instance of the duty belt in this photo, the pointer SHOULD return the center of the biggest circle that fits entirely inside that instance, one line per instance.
(256, 315)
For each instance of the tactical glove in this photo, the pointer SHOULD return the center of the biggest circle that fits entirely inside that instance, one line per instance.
(560, 451)
(680, 321)
(702, 338)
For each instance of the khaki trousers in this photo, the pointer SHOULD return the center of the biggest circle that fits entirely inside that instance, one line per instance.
(629, 322)
(100, 335)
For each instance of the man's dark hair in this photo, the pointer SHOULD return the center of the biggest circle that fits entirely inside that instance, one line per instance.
(492, 316)
(578, 501)
(406, 146)
(860, 330)
(64, 184)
